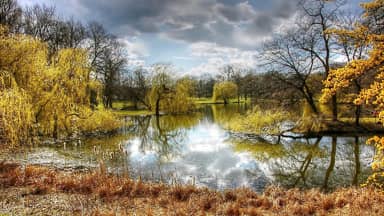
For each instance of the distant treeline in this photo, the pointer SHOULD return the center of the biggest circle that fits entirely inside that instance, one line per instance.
(293, 63)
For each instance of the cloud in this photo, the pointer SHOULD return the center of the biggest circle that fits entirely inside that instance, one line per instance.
(136, 51)
(214, 21)
(215, 57)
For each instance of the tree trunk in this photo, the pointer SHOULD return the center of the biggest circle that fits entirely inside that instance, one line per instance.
(158, 107)
(55, 127)
(331, 163)
(358, 107)
(312, 105)
(357, 115)
(355, 180)
(334, 108)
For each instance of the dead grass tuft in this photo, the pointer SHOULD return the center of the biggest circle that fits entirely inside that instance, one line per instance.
(160, 199)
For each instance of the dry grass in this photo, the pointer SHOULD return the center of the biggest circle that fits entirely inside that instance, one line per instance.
(141, 198)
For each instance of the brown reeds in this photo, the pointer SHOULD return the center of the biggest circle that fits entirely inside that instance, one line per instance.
(161, 199)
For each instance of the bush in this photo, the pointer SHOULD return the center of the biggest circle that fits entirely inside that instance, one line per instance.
(260, 121)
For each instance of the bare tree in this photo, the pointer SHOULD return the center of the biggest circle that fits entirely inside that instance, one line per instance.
(113, 64)
(292, 66)
(316, 18)
(139, 87)
(10, 14)
(98, 43)
(40, 22)
(73, 33)
(107, 60)
(43, 23)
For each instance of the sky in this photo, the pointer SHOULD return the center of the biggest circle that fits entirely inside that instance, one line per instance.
(196, 36)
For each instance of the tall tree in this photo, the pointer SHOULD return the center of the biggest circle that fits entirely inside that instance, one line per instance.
(374, 94)
(161, 85)
(10, 14)
(292, 66)
(352, 47)
(224, 90)
(112, 67)
(316, 18)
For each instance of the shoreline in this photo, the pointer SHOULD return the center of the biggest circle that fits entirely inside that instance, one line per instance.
(24, 189)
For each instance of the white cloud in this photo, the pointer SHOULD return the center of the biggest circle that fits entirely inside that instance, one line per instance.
(214, 57)
(136, 51)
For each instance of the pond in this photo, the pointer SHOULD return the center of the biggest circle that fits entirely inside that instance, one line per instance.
(196, 149)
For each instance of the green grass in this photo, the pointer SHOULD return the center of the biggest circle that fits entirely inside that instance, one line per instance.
(205, 100)
(363, 120)
(132, 112)
(122, 104)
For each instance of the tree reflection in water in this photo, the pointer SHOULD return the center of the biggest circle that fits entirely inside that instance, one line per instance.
(322, 162)
(196, 146)
(163, 134)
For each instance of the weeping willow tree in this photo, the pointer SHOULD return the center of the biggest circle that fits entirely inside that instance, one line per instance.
(224, 90)
(15, 113)
(41, 96)
(167, 94)
(180, 100)
(259, 121)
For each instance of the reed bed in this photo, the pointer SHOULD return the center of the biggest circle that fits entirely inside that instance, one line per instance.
(105, 194)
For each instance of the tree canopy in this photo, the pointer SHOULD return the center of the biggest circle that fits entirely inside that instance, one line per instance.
(365, 33)
(224, 91)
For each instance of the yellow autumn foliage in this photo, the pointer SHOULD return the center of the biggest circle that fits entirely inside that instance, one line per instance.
(260, 121)
(374, 94)
(180, 101)
(48, 97)
(224, 90)
(15, 116)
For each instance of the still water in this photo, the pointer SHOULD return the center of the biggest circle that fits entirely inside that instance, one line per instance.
(197, 149)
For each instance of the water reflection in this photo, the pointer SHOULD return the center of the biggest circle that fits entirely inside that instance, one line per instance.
(323, 162)
(196, 148)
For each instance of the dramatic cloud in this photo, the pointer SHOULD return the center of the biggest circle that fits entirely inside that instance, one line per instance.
(216, 21)
(197, 35)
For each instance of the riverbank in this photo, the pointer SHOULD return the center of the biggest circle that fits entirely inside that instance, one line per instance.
(35, 190)
(344, 126)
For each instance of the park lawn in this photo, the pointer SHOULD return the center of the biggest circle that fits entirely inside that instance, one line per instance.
(122, 104)
(133, 112)
(205, 100)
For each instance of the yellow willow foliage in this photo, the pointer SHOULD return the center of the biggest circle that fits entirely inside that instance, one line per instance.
(224, 90)
(180, 100)
(21, 57)
(65, 97)
(374, 94)
(260, 121)
(98, 121)
(49, 96)
(15, 116)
